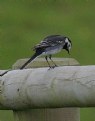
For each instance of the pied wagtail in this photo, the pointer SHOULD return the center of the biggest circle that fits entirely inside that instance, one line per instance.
(50, 45)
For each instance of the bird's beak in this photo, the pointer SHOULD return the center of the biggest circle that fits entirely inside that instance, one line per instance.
(68, 51)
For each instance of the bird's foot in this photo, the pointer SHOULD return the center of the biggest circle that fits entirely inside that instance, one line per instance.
(52, 67)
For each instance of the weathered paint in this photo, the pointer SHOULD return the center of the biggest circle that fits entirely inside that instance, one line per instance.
(67, 86)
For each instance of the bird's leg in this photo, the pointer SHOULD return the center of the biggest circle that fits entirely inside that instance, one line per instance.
(52, 61)
(47, 61)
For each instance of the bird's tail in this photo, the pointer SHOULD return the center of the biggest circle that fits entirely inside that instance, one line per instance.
(27, 62)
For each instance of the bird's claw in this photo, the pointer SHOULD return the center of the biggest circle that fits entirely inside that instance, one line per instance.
(52, 67)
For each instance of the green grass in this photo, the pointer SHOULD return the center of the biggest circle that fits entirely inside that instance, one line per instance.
(23, 23)
(6, 115)
(87, 114)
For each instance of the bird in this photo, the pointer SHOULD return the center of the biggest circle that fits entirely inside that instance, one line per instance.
(50, 45)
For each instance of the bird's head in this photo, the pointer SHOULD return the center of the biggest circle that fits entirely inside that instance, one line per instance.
(68, 44)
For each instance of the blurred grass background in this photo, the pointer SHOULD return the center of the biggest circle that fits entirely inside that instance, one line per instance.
(24, 23)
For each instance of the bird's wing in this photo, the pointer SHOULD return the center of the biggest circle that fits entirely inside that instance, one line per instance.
(50, 41)
(41, 45)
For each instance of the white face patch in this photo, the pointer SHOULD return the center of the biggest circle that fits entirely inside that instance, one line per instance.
(68, 43)
(66, 40)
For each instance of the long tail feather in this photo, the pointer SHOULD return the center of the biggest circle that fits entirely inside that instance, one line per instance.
(4, 73)
(31, 59)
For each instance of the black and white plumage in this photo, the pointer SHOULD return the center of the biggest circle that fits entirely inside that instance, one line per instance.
(50, 45)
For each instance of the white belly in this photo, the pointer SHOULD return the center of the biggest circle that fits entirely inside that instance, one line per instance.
(52, 50)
